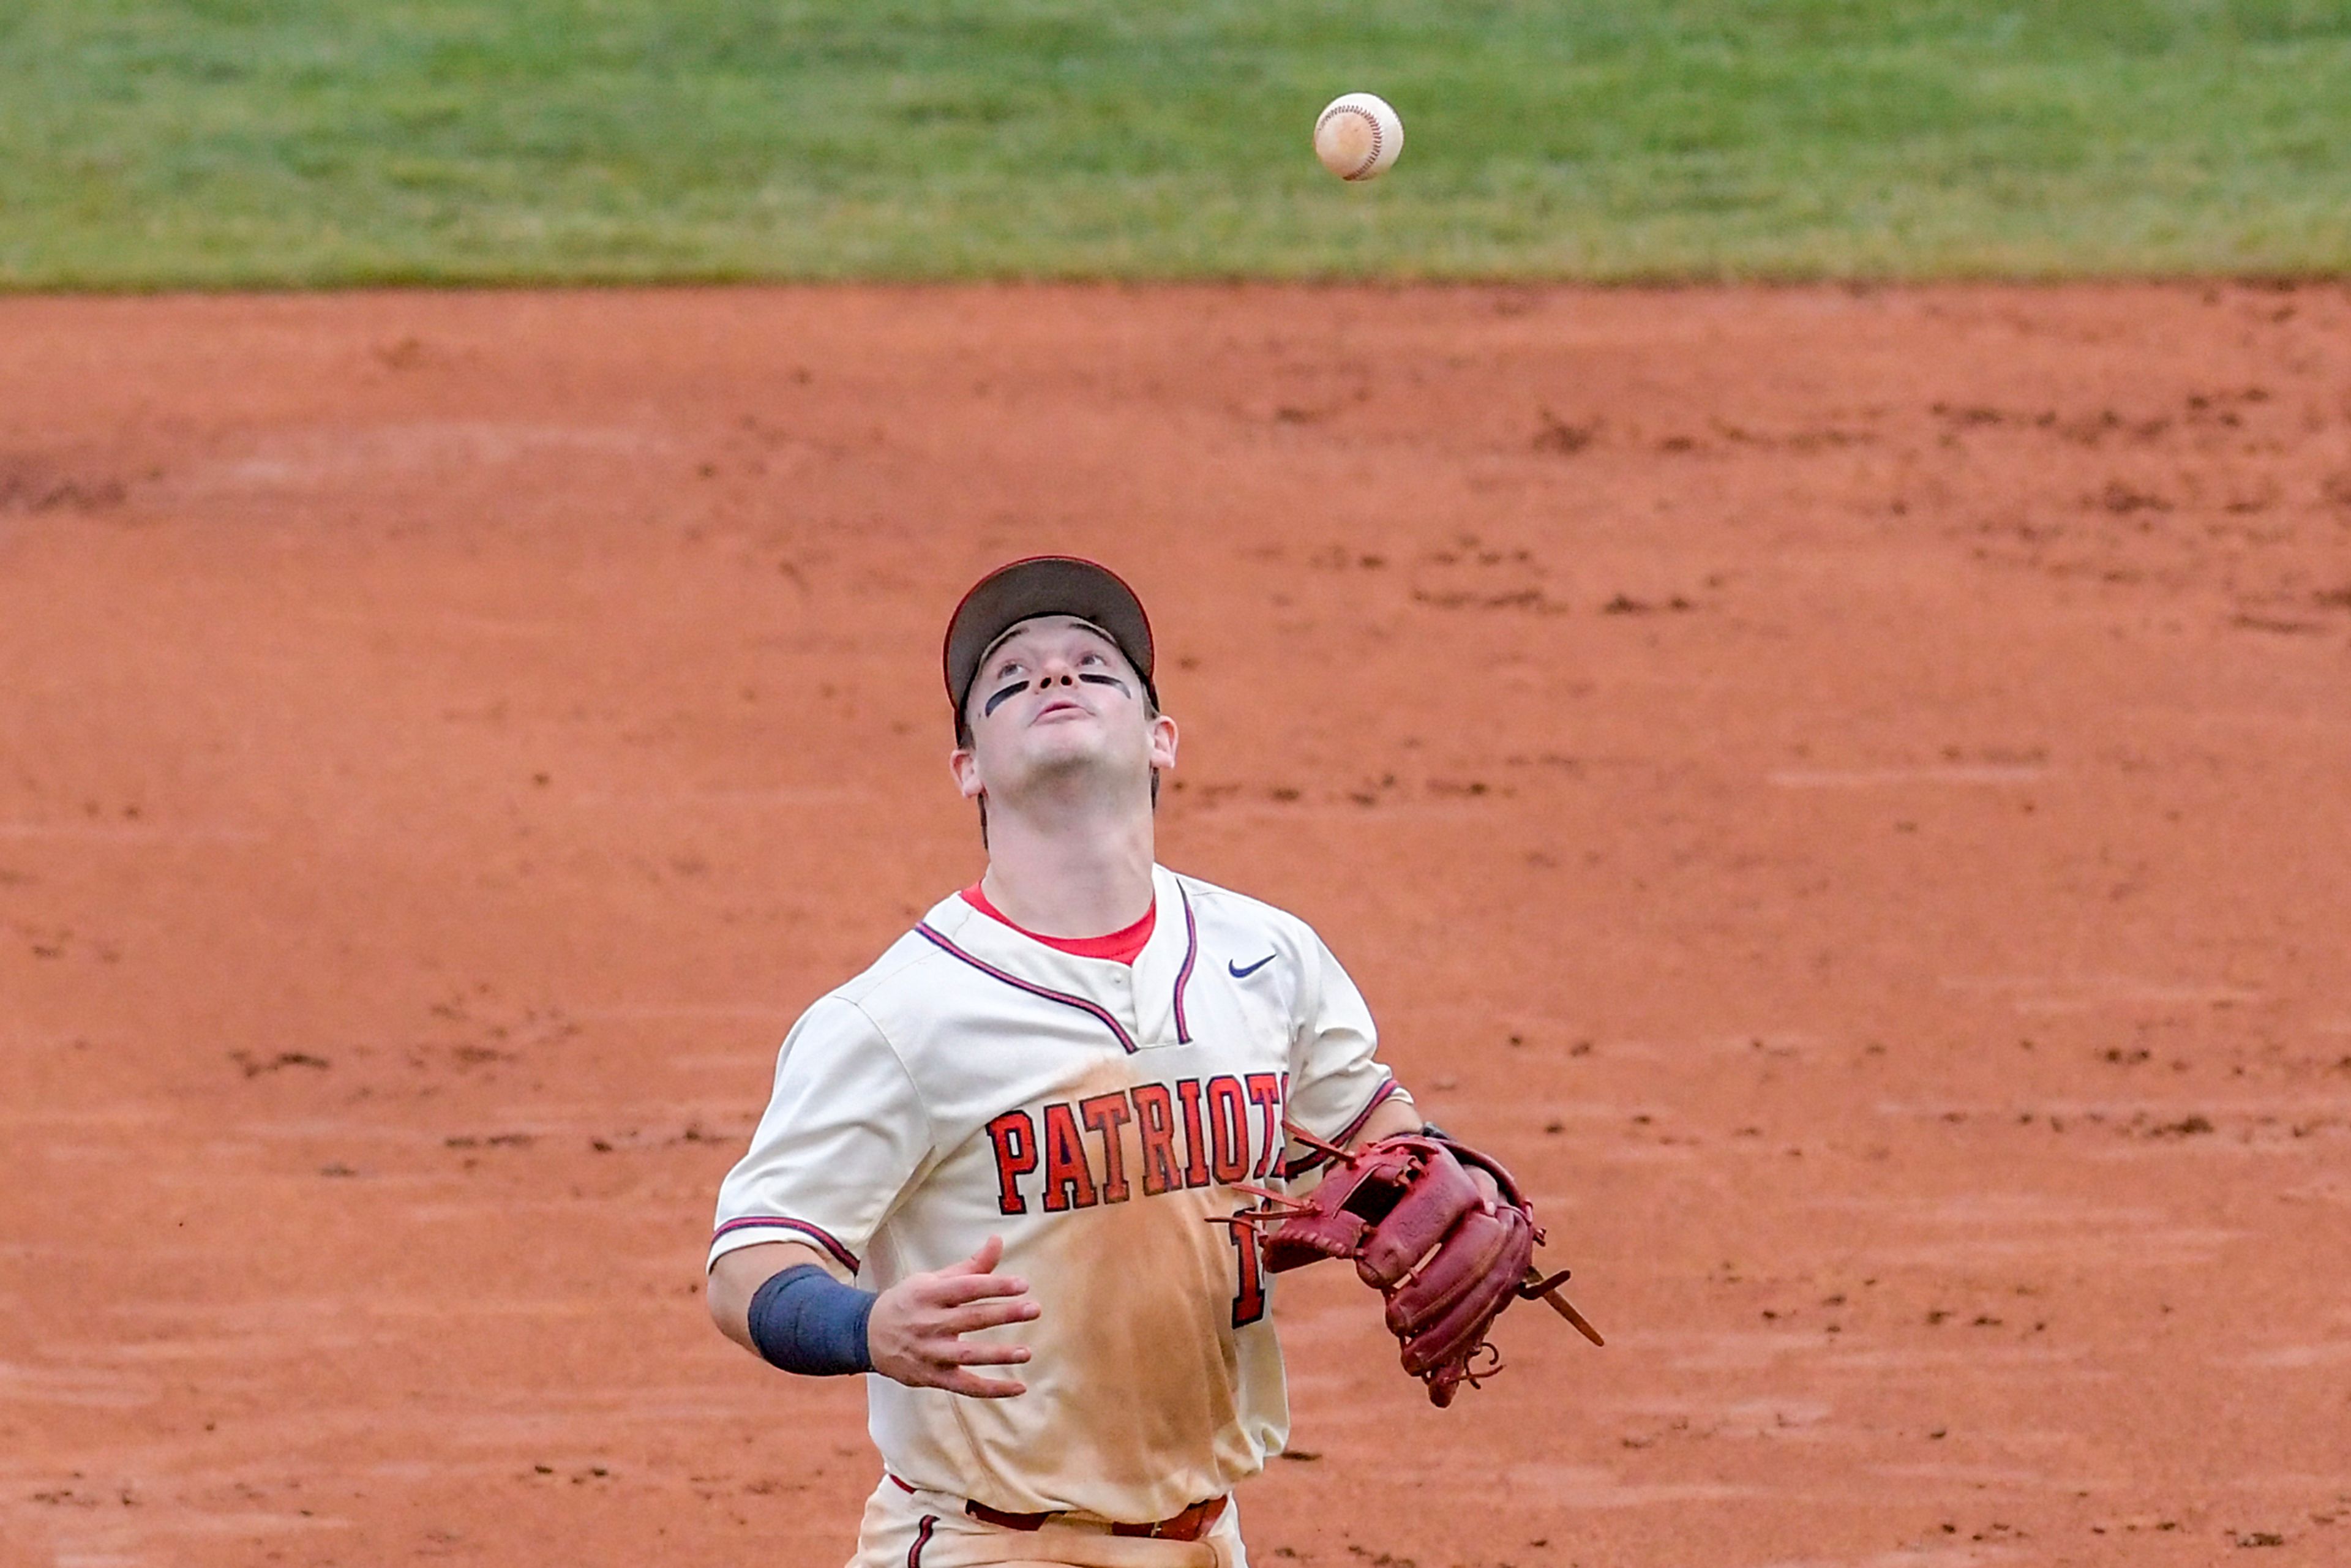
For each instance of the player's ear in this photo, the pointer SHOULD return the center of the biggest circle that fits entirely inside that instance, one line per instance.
(1162, 742)
(965, 768)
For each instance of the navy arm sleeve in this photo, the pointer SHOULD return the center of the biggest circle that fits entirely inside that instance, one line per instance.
(805, 1321)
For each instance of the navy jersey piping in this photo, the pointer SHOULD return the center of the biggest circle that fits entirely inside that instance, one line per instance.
(1118, 1031)
(815, 1233)
(1191, 956)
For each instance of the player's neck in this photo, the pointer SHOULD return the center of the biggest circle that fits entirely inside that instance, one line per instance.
(1062, 877)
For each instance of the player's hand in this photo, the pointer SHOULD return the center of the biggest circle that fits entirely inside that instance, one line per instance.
(916, 1333)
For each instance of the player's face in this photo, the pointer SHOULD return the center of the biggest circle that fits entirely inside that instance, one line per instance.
(1056, 698)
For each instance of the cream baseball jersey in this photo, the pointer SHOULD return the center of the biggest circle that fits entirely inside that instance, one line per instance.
(1098, 1116)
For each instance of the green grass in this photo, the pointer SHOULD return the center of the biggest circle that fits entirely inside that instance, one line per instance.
(240, 142)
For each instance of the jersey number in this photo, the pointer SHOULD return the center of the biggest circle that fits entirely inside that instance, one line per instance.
(1248, 1296)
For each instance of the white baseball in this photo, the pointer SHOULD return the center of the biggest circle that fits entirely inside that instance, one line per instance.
(1358, 136)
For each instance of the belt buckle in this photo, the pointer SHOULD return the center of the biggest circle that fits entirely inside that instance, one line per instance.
(1155, 1530)
(1189, 1524)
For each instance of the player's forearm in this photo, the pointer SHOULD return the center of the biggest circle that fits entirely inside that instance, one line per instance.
(735, 1278)
(762, 1298)
(1393, 1117)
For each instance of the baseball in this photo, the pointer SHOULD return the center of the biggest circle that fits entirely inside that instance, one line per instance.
(1358, 136)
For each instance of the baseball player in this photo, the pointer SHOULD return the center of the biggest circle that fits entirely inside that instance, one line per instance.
(995, 1169)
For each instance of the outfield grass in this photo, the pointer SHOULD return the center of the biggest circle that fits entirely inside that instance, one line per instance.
(236, 142)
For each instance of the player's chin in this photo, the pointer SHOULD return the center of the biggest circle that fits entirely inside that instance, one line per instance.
(1067, 753)
(1054, 747)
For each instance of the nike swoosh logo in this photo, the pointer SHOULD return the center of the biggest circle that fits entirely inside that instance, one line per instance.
(1239, 973)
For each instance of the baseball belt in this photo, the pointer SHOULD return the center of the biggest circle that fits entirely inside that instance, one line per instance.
(1189, 1525)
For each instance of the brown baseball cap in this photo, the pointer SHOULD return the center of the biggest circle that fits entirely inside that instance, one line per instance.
(1044, 585)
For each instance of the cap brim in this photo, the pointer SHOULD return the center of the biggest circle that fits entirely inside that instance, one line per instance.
(1043, 585)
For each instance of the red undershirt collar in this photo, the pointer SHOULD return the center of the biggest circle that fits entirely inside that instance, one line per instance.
(1120, 946)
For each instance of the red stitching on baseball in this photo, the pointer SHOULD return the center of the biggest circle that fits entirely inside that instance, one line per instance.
(1370, 118)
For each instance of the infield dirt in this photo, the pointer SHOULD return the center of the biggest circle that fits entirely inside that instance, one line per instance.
(1845, 790)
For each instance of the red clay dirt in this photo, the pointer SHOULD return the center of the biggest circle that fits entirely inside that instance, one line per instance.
(1845, 790)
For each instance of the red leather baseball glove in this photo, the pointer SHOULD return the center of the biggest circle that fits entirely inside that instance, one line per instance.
(1441, 1231)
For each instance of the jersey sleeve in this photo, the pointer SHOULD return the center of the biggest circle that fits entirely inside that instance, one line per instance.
(843, 1133)
(1336, 1079)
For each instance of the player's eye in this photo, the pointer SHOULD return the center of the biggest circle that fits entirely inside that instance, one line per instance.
(1092, 659)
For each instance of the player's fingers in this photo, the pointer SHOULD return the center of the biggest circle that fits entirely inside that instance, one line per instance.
(953, 1291)
(981, 1352)
(983, 1261)
(988, 1315)
(978, 1387)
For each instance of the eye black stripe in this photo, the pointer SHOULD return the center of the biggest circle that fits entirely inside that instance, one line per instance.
(1000, 698)
(1106, 681)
